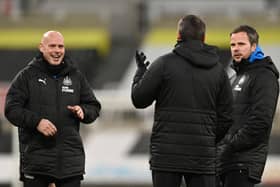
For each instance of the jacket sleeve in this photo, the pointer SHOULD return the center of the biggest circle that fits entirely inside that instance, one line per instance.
(257, 127)
(88, 102)
(224, 107)
(16, 100)
(146, 84)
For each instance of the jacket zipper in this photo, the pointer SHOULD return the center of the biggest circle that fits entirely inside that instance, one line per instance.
(59, 152)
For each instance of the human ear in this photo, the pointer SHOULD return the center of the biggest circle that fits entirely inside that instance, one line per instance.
(253, 47)
(40, 47)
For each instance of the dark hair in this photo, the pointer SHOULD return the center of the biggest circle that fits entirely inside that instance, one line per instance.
(191, 27)
(250, 31)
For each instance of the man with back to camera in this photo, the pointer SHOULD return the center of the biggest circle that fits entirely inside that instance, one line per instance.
(244, 149)
(193, 105)
(47, 100)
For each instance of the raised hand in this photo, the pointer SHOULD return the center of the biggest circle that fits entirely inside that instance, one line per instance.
(141, 60)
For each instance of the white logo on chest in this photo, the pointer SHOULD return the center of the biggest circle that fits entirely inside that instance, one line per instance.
(67, 82)
(44, 81)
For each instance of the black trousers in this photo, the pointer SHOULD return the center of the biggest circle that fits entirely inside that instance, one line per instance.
(44, 181)
(174, 179)
(238, 178)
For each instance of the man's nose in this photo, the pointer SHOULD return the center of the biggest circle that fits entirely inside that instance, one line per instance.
(235, 48)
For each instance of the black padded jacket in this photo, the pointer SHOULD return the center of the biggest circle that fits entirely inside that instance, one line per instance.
(36, 94)
(193, 105)
(255, 91)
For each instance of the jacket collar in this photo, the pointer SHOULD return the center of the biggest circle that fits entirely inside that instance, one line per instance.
(40, 63)
(245, 65)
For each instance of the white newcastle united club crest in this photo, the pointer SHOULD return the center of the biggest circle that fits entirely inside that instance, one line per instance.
(67, 82)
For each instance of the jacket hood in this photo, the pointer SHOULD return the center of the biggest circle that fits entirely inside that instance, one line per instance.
(197, 53)
(268, 63)
(262, 63)
(40, 63)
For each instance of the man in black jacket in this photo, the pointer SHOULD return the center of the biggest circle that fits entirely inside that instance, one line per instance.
(255, 89)
(192, 110)
(47, 101)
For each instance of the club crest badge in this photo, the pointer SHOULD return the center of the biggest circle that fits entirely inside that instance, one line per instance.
(67, 81)
(66, 85)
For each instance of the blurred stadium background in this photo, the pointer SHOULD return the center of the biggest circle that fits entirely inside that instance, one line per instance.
(102, 36)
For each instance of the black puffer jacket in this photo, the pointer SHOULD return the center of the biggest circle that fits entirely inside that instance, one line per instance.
(255, 91)
(35, 94)
(192, 110)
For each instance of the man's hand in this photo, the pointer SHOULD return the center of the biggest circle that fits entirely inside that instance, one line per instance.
(46, 127)
(141, 66)
(140, 60)
(77, 110)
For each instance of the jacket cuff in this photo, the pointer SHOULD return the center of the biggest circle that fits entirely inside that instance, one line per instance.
(139, 74)
(35, 122)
